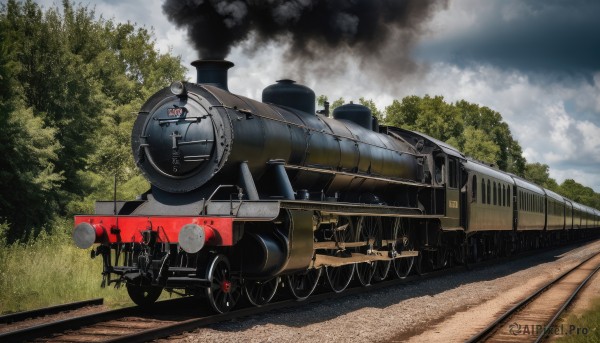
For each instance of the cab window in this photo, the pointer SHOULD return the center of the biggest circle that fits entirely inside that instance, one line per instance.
(452, 173)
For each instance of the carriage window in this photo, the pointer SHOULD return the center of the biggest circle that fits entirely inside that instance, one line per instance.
(520, 200)
(531, 203)
(503, 195)
(483, 191)
(489, 192)
(541, 205)
(508, 196)
(499, 195)
(474, 190)
(495, 194)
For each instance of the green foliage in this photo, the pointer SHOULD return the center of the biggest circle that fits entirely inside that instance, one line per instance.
(371, 105)
(476, 130)
(30, 277)
(481, 133)
(579, 193)
(479, 145)
(336, 103)
(70, 85)
(540, 174)
(589, 320)
(431, 116)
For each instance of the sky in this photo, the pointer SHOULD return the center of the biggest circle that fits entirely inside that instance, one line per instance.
(535, 62)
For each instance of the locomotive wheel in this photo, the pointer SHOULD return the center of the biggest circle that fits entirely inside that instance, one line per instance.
(402, 266)
(339, 277)
(369, 230)
(260, 292)
(382, 269)
(143, 295)
(303, 284)
(224, 291)
(364, 272)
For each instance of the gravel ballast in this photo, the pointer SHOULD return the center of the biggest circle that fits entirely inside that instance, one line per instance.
(447, 308)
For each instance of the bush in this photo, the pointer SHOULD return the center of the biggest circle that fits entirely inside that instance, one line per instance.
(50, 270)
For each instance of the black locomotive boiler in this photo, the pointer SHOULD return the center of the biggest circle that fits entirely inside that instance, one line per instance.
(247, 195)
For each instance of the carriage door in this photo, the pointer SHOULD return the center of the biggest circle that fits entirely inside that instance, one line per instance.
(452, 219)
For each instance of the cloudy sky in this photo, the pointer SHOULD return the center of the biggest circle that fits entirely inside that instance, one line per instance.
(535, 62)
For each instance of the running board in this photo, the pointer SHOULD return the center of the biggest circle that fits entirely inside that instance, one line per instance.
(332, 261)
(333, 245)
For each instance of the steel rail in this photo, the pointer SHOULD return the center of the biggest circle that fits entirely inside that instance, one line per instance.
(195, 323)
(48, 329)
(568, 302)
(19, 316)
(491, 328)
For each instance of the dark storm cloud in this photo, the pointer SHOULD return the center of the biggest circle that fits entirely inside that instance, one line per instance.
(528, 35)
(314, 30)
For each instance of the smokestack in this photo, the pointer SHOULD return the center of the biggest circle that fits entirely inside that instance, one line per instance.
(213, 72)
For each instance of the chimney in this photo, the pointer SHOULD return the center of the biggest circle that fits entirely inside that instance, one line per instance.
(213, 72)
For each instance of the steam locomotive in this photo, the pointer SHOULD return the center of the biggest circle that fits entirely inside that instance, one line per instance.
(248, 196)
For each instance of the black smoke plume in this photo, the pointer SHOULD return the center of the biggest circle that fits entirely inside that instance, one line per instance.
(312, 29)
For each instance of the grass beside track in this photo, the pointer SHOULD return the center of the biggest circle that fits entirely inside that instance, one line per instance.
(583, 327)
(50, 270)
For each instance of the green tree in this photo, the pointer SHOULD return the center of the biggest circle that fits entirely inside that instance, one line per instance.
(29, 151)
(578, 192)
(332, 106)
(70, 86)
(404, 113)
(509, 157)
(476, 130)
(479, 145)
(539, 173)
(371, 105)
(429, 115)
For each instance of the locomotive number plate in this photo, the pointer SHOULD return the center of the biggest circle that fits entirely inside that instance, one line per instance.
(175, 112)
(453, 204)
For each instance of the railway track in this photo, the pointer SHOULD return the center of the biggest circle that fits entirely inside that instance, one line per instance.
(172, 317)
(533, 319)
(41, 312)
(166, 318)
